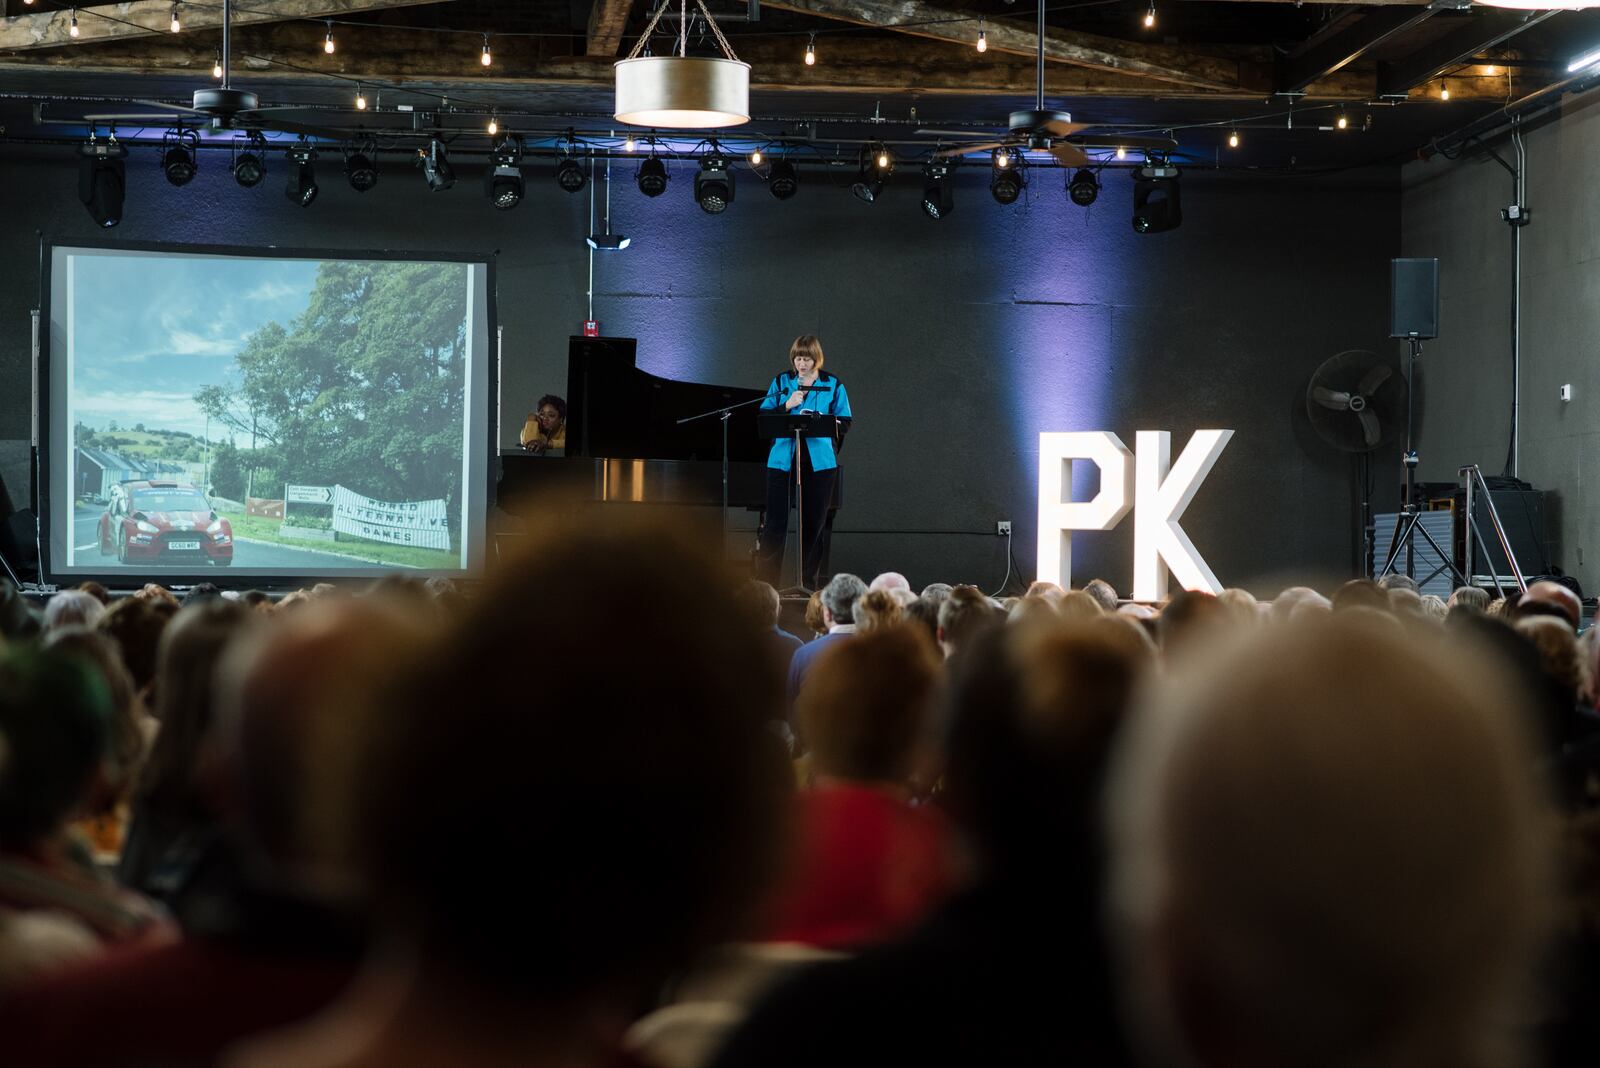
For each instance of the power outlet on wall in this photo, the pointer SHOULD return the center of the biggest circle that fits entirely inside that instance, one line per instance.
(1003, 527)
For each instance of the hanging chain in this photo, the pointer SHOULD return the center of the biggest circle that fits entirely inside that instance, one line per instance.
(683, 29)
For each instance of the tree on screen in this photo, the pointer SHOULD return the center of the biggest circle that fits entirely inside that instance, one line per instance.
(366, 388)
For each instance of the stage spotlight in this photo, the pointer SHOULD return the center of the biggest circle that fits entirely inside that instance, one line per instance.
(302, 185)
(872, 176)
(361, 170)
(436, 166)
(713, 186)
(1157, 204)
(505, 184)
(938, 192)
(652, 177)
(250, 166)
(1006, 181)
(783, 181)
(102, 179)
(1083, 187)
(570, 176)
(179, 159)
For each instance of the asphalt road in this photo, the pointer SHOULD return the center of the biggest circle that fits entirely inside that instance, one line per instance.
(252, 554)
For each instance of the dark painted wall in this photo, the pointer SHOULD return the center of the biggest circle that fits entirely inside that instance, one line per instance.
(959, 340)
(1452, 211)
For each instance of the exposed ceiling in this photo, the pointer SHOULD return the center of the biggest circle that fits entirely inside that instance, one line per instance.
(1277, 73)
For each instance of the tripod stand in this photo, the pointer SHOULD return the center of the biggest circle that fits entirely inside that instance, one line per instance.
(1410, 524)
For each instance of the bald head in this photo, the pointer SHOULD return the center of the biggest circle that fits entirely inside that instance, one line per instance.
(1553, 593)
(1323, 867)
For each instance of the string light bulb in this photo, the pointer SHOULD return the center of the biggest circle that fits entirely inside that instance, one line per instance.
(216, 68)
(983, 37)
(485, 57)
(72, 29)
(811, 51)
(176, 24)
(1343, 121)
(361, 98)
(630, 144)
(756, 157)
(1444, 90)
(1490, 70)
(327, 42)
(1150, 16)
(494, 125)
(1233, 139)
(1122, 153)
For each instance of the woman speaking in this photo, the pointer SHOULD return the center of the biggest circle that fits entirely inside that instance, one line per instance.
(801, 389)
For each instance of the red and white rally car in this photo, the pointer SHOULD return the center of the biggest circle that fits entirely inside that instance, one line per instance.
(165, 523)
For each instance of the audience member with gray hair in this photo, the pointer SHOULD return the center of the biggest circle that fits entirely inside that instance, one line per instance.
(839, 599)
(890, 580)
(1102, 591)
(72, 606)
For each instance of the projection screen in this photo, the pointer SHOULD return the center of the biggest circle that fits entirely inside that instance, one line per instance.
(263, 416)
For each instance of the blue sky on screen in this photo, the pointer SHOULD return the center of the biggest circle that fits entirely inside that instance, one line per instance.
(149, 331)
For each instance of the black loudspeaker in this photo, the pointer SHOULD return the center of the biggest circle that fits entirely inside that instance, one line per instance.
(1414, 298)
(1522, 514)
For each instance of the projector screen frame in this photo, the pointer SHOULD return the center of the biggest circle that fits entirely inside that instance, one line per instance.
(487, 441)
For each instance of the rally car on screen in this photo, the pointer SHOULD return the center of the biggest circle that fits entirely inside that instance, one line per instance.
(164, 523)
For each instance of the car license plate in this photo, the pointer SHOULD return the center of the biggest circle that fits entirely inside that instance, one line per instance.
(182, 546)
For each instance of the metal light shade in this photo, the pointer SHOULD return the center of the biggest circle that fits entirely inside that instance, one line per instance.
(680, 93)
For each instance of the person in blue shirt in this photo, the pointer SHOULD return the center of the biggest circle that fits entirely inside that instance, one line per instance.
(818, 463)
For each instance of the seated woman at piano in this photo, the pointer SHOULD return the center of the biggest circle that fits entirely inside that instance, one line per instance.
(805, 387)
(546, 428)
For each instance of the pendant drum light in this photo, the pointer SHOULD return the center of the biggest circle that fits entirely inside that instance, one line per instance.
(681, 91)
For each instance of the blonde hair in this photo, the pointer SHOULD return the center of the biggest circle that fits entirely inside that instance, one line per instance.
(806, 345)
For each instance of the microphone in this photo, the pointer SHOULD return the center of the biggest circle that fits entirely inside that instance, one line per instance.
(817, 388)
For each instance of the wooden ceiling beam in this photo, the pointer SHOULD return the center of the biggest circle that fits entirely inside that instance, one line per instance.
(1162, 63)
(288, 55)
(607, 20)
(152, 18)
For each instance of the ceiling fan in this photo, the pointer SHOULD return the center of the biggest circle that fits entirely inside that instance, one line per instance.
(1048, 130)
(222, 107)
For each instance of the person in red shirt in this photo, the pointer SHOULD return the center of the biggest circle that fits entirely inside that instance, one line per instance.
(866, 864)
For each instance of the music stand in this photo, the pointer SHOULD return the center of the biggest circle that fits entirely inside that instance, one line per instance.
(725, 414)
(800, 425)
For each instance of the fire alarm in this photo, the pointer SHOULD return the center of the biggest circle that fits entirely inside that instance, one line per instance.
(591, 328)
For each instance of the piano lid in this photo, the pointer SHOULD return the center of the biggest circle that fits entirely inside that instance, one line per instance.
(616, 410)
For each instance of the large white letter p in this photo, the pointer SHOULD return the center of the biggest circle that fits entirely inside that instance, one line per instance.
(1059, 514)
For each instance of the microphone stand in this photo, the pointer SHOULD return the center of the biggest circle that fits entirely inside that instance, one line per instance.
(724, 414)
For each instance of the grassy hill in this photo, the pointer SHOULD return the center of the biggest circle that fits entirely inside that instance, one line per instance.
(146, 444)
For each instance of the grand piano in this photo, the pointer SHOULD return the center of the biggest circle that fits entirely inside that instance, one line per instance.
(625, 444)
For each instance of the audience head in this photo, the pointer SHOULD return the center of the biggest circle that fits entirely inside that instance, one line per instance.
(1035, 711)
(965, 614)
(154, 591)
(136, 625)
(1103, 592)
(200, 593)
(1360, 593)
(1325, 867)
(936, 592)
(72, 607)
(1468, 599)
(1048, 591)
(760, 603)
(1240, 606)
(661, 783)
(1190, 618)
(889, 580)
(191, 648)
(97, 591)
(877, 609)
(1552, 598)
(816, 622)
(1434, 608)
(1559, 657)
(1077, 604)
(1298, 601)
(1394, 580)
(128, 722)
(55, 721)
(867, 710)
(923, 614)
(839, 598)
